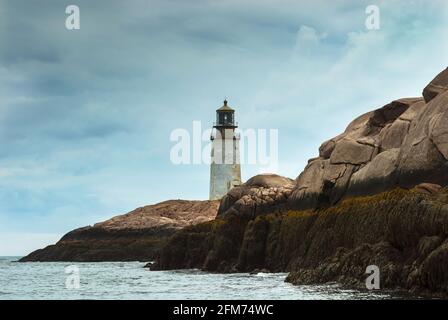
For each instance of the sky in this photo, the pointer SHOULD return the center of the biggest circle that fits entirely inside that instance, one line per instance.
(86, 115)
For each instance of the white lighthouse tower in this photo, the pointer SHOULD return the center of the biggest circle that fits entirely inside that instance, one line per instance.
(225, 169)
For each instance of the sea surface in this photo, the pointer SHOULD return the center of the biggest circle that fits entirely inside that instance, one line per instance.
(129, 280)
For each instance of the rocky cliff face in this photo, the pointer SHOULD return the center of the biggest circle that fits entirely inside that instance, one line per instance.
(403, 232)
(322, 227)
(136, 235)
(401, 144)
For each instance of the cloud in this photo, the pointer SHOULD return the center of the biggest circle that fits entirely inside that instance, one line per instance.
(308, 37)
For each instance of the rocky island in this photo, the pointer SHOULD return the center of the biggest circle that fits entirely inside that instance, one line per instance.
(375, 195)
(135, 236)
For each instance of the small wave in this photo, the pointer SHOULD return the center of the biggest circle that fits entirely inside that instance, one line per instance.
(262, 274)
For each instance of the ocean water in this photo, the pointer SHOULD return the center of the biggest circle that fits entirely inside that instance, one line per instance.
(129, 280)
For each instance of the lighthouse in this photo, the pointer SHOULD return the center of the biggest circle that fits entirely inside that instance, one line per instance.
(225, 169)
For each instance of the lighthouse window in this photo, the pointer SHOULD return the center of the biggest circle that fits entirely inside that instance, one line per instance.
(225, 118)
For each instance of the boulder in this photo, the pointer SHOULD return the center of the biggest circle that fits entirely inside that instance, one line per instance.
(376, 176)
(428, 188)
(326, 149)
(420, 158)
(390, 112)
(415, 108)
(268, 180)
(358, 127)
(259, 194)
(439, 133)
(393, 135)
(438, 85)
(348, 151)
(309, 184)
(336, 181)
